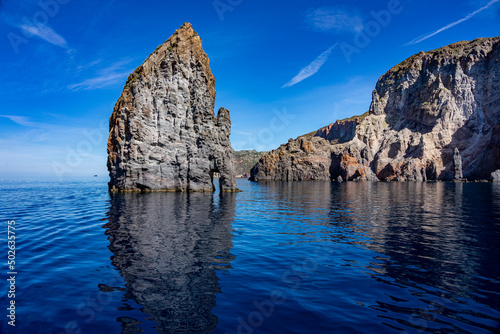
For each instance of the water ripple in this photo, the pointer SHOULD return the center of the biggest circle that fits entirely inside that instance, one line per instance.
(305, 257)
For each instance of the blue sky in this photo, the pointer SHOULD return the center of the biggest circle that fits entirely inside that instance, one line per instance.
(283, 68)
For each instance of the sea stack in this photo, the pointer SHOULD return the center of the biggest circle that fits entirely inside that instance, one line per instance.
(164, 135)
(457, 162)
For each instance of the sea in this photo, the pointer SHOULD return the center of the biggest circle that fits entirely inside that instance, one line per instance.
(279, 257)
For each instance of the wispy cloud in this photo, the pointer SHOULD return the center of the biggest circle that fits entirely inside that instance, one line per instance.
(448, 26)
(21, 120)
(334, 19)
(109, 76)
(101, 81)
(45, 33)
(27, 122)
(89, 65)
(312, 68)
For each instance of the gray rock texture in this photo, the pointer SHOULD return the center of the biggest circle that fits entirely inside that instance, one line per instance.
(164, 135)
(422, 110)
(457, 162)
(495, 176)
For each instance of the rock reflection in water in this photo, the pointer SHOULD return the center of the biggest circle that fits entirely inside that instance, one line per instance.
(439, 240)
(168, 247)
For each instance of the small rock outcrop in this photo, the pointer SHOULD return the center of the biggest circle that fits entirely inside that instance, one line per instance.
(495, 176)
(457, 162)
(164, 135)
(424, 110)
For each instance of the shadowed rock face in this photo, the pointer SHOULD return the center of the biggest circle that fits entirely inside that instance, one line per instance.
(422, 111)
(168, 247)
(164, 135)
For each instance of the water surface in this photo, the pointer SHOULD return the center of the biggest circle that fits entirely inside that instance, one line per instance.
(298, 257)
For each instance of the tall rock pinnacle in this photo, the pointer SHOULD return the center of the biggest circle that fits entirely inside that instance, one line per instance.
(164, 135)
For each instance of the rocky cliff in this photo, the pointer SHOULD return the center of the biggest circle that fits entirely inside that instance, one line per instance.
(164, 135)
(435, 116)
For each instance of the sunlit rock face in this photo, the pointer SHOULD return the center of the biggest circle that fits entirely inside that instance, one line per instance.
(423, 110)
(164, 135)
(168, 247)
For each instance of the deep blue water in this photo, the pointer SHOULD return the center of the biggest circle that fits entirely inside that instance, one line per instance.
(310, 257)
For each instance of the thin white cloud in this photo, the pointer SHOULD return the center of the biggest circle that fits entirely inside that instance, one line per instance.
(20, 120)
(109, 76)
(101, 81)
(26, 122)
(89, 65)
(336, 20)
(312, 68)
(446, 27)
(116, 65)
(45, 33)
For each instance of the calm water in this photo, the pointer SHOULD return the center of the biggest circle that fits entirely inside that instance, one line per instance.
(309, 257)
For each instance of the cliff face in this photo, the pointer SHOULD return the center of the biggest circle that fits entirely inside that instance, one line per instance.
(422, 111)
(164, 135)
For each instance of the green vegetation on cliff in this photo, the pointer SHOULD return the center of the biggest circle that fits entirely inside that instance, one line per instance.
(245, 160)
(456, 50)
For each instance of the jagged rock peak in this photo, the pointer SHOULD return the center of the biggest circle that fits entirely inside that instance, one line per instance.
(184, 45)
(164, 135)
